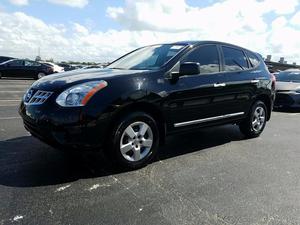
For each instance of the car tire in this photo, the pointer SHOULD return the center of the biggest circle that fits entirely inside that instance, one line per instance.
(256, 121)
(0, 75)
(40, 75)
(134, 141)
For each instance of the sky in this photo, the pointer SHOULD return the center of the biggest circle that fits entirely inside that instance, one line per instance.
(102, 30)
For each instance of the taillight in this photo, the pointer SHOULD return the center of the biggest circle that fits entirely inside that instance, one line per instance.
(273, 78)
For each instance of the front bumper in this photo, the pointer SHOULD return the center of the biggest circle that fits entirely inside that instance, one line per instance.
(287, 100)
(65, 127)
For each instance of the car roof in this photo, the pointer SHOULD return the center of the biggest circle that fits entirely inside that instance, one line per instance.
(195, 43)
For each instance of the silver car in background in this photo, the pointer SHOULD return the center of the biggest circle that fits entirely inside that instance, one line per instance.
(288, 89)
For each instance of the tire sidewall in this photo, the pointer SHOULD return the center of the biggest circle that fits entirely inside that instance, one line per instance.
(117, 134)
(253, 109)
(37, 76)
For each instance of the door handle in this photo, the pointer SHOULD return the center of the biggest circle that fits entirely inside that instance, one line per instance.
(254, 81)
(219, 85)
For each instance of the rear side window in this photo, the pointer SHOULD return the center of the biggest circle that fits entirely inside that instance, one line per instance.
(254, 61)
(234, 59)
(207, 56)
(16, 63)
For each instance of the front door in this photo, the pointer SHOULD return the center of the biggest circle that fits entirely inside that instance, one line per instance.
(197, 99)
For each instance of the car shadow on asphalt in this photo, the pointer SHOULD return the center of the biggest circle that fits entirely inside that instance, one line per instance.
(26, 162)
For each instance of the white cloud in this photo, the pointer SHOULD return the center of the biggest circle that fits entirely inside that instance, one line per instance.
(71, 3)
(19, 2)
(279, 22)
(78, 28)
(296, 19)
(176, 15)
(147, 22)
(234, 21)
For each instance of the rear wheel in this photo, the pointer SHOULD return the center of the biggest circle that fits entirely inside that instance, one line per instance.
(256, 121)
(135, 140)
(40, 75)
(0, 75)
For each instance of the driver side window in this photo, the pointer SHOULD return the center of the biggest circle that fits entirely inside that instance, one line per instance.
(207, 56)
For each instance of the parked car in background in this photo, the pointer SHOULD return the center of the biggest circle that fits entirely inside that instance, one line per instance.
(4, 58)
(21, 68)
(67, 67)
(288, 89)
(130, 106)
(56, 68)
(93, 67)
(77, 67)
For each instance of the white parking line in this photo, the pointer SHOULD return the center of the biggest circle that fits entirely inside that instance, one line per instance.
(9, 105)
(10, 118)
(10, 102)
(12, 91)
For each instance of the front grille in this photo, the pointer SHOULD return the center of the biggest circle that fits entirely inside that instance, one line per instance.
(39, 98)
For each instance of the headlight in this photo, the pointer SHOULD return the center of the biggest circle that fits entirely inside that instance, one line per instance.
(80, 94)
(298, 90)
(25, 96)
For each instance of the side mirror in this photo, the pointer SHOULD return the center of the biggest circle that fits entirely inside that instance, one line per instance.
(189, 68)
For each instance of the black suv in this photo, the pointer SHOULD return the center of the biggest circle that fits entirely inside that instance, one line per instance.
(130, 106)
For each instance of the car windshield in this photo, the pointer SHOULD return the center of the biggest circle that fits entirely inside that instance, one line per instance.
(147, 58)
(291, 76)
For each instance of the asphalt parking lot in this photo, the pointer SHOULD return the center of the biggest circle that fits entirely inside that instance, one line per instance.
(213, 176)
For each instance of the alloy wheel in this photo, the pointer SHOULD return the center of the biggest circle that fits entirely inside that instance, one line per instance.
(136, 141)
(40, 75)
(258, 119)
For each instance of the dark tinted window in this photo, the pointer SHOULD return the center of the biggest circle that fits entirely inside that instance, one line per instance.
(254, 61)
(235, 60)
(208, 58)
(32, 63)
(16, 63)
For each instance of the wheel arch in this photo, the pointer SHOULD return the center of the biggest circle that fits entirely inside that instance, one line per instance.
(148, 108)
(267, 100)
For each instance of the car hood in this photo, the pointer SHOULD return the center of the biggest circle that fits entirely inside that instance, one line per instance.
(68, 79)
(287, 86)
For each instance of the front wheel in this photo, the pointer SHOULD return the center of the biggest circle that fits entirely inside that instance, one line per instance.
(135, 140)
(256, 121)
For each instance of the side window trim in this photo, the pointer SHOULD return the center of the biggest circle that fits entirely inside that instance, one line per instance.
(259, 60)
(246, 56)
(247, 59)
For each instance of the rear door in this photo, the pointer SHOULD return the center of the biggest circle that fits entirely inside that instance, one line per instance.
(241, 81)
(31, 68)
(197, 99)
